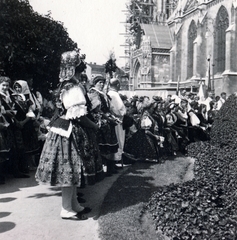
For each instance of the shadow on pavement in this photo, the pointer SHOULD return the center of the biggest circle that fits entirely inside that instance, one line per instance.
(43, 195)
(9, 199)
(6, 226)
(4, 214)
(14, 184)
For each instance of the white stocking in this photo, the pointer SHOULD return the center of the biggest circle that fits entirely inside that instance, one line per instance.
(67, 193)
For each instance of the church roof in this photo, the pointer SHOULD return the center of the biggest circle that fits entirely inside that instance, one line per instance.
(159, 35)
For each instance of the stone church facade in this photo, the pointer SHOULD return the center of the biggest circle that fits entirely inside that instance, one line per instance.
(149, 57)
(204, 45)
(151, 62)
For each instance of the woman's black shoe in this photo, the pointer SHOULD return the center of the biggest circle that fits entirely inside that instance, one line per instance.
(85, 211)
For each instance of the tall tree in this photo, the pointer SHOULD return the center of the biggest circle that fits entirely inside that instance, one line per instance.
(31, 43)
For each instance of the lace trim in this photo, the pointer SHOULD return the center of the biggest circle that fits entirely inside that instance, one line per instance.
(76, 111)
(62, 132)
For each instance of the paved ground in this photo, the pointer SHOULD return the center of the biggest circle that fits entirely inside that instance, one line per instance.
(29, 211)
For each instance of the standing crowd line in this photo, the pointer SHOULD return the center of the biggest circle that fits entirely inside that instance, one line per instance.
(78, 134)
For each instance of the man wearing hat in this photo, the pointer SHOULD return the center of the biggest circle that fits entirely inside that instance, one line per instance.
(118, 109)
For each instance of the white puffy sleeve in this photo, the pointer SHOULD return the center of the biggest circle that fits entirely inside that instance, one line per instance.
(75, 103)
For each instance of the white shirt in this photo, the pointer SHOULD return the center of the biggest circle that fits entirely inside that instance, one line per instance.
(117, 106)
(220, 103)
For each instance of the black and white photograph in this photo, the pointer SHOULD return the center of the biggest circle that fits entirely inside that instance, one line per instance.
(118, 119)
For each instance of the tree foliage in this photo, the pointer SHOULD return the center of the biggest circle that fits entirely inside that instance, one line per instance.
(31, 44)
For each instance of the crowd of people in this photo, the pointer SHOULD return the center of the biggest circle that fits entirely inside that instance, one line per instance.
(162, 127)
(20, 120)
(79, 134)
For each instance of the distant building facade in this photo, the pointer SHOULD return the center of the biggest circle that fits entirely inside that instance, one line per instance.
(150, 64)
(204, 44)
(96, 69)
(149, 44)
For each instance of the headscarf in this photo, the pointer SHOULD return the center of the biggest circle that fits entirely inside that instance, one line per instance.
(25, 90)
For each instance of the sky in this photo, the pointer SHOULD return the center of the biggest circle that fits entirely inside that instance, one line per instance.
(97, 26)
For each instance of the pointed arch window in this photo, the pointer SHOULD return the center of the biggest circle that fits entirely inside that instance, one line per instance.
(222, 23)
(192, 34)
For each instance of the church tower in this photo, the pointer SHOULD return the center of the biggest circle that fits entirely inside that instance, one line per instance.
(163, 10)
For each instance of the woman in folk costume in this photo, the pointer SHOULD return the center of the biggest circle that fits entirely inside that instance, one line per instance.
(4, 125)
(4, 146)
(171, 134)
(107, 139)
(13, 127)
(35, 97)
(66, 143)
(144, 144)
(25, 116)
(92, 163)
(26, 121)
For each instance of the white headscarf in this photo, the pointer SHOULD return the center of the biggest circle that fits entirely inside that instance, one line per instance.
(25, 90)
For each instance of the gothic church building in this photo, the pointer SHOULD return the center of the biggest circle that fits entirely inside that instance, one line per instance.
(204, 44)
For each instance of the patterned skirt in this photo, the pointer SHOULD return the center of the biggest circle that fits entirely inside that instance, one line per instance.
(60, 161)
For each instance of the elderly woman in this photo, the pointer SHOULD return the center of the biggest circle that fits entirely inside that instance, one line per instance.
(14, 141)
(4, 149)
(107, 139)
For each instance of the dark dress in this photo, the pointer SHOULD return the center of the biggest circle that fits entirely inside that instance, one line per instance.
(143, 145)
(9, 135)
(4, 146)
(92, 163)
(28, 132)
(107, 139)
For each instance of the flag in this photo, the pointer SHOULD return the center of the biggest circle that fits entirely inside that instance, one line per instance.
(177, 88)
(201, 92)
(209, 76)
